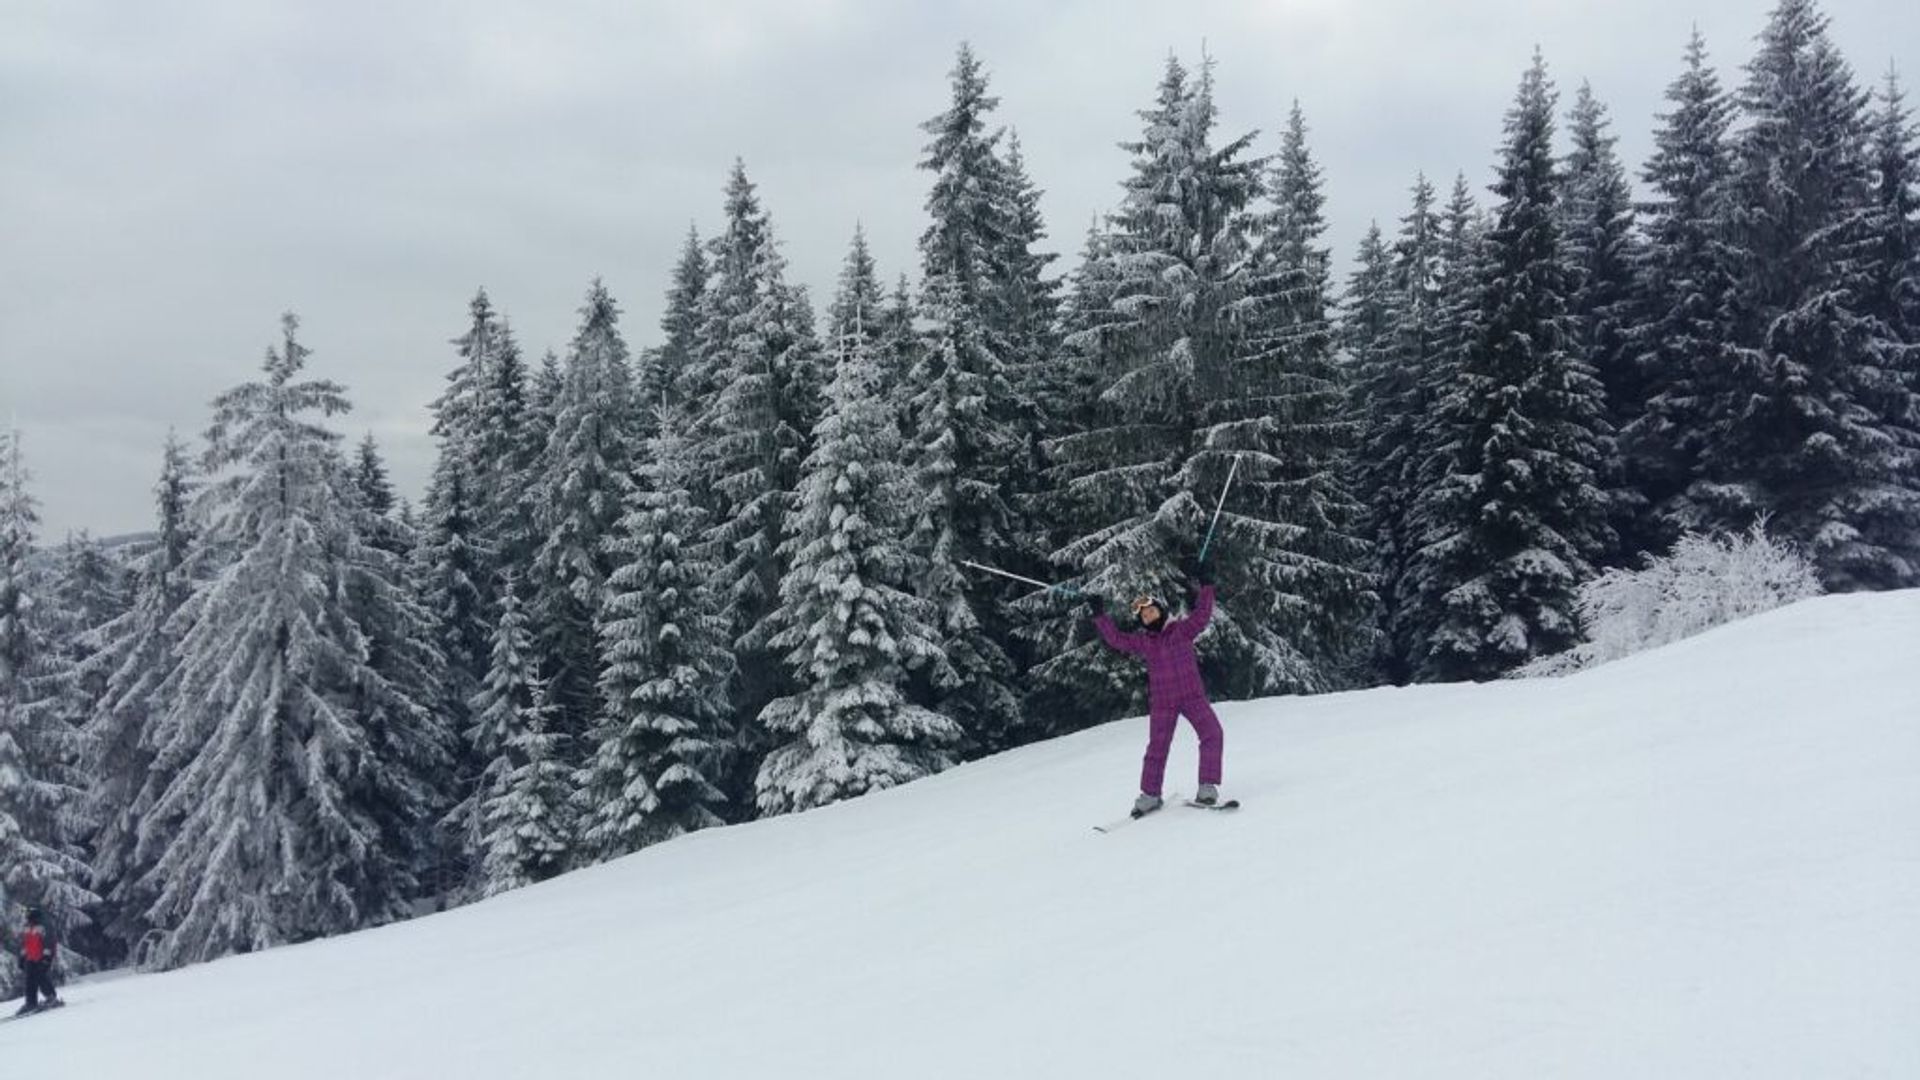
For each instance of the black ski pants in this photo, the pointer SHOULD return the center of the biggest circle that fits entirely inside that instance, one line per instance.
(39, 982)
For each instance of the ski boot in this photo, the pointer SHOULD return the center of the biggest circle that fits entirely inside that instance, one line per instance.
(1208, 795)
(1146, 804)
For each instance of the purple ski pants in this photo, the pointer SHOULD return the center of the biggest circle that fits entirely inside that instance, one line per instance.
(1161, 718)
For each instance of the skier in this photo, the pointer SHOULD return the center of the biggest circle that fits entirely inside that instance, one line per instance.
(37, 954)
(1173, 684)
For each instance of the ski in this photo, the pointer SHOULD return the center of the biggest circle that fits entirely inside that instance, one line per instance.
(61, 1004)
(1131, 817)
(1230, 804)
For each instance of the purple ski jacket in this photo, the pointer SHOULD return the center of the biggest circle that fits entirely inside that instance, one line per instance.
(1173, 672)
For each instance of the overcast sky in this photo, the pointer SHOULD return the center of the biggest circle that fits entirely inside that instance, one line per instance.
(174, 175)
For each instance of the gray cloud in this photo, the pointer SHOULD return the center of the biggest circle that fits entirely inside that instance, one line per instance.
(174, 175)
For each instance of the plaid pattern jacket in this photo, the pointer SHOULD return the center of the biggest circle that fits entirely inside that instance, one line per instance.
(1173, 672)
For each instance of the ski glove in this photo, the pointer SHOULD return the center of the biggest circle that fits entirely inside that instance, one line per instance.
(1096, 606)
(1196, 574)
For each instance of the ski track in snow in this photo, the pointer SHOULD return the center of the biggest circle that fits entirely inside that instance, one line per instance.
(1698, 862)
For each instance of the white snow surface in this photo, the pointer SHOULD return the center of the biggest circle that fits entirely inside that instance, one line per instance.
(1702, 861)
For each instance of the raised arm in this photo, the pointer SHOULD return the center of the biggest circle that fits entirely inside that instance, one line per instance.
(1109, 633)
(1126, 643)
(1198, 618)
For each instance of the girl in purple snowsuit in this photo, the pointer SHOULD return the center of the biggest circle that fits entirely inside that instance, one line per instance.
(1173, 687)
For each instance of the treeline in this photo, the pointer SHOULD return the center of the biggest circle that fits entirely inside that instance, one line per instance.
(725, 576)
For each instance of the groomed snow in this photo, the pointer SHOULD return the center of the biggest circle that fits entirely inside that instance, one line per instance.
(1698, 862)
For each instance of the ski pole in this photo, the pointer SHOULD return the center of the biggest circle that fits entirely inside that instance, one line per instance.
(1016, 577)
(1221, 505)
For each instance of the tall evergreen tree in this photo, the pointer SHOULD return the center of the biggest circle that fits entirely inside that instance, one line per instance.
(40, 861)
(1684, 278)
(660, 387)
(755, 398)
(451, 562)
(505, 454)
(1300, 569)
(543, 399)
(586, 478)
(286, 786)
(1893, 297)
(1596, 222)
(664, 731)
(521, 811)
(401, 699)
(1165, 340)
(1519, 516)
(850, 624)
(859, 307)
(370, 478)
(471, 497)
(1029, 314)
(1802, 435)
(970, 426)
(1399, 370)
(1439, 324)
(900, 347)
(1379, 388)
(87, 591)
(138, 650)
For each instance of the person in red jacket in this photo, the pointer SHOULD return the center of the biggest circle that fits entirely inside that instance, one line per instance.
(37, 954)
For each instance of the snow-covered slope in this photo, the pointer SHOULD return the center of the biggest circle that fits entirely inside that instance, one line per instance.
(1698, 862)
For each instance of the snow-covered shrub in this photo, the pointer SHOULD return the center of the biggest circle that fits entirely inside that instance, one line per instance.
(1706, 580)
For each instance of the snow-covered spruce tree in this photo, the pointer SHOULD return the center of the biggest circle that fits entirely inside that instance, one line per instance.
(1599, 245)
(482, 495)
(1685, 284)
(379, 522)
(137, 652)
(455, 559)
(404, 706)
(900, 347)
(40, 861)
(1029, 316)
(491, 446)
(586, 478)
(859, 307)
(1894, 295)
(1801, 433)
(664, 729)
(1438, 330)
(1366, 315)
(1519, 517)
(87, 589)
(1896, 167)
(660, 389)
(451, 561)
(1292, 552)
(1136, 483)
(1085, 324)
(505, 452)
(757, 380)
(970, 425)
(370, 478)
(1054, 706)
(1395, 376)
(1379, 385)
(543, 398)
(522, 812)
(849, 624)
(287, 785)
